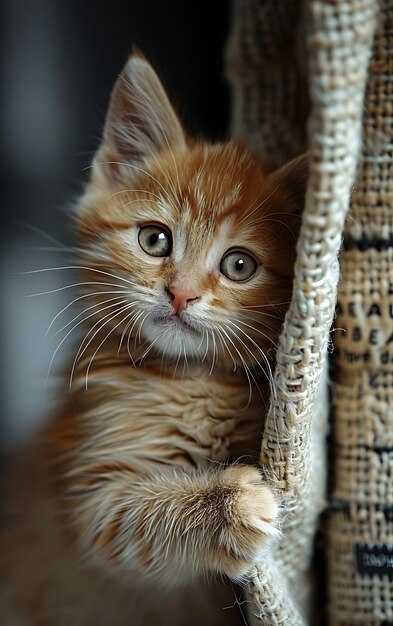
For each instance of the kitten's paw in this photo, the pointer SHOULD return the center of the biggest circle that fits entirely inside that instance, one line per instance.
(252, 514)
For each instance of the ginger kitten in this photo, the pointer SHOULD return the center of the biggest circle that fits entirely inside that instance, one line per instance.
(143, 495)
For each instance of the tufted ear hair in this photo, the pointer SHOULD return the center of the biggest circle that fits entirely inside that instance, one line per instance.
(293, 177)
(140, 122)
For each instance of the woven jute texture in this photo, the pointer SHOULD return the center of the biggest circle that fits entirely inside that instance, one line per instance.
(265, 58)
(360, 525)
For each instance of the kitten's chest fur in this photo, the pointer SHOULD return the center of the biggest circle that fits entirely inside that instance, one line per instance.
(179, 420)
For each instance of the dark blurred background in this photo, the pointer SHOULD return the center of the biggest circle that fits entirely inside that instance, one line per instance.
(59, 61)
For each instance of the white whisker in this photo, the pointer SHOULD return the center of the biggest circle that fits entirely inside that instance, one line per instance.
(126, 327)
(93, 306)
(207, 344)
(140, 327)
(257, 331)
(214, 353)
(250, 317)
(185, 362)
(136, 318)
(220, 331)
(78, 267)
(177, 363)
(262, 306)
(86, 295)
(247, 370)
(73, 285)
(68, 334)
(102, 343)
(268, 373)
(81, 351)
(146, 352)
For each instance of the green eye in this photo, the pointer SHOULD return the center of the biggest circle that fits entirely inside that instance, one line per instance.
(238, 265)
(155, 240)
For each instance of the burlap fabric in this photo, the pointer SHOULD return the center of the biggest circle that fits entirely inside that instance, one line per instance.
(360, 525)
(267, 69)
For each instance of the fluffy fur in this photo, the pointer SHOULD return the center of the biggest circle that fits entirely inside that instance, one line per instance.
(145, 486)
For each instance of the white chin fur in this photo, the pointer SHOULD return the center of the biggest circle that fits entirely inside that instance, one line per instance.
(173, 340)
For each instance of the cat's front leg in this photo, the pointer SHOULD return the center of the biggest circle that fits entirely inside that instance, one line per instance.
(176, 525)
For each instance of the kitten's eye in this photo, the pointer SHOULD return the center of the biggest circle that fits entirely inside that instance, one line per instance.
(155, 240)
(238, 265)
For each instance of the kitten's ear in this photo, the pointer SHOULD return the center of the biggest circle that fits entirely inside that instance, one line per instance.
(293, 177)
(140, 122)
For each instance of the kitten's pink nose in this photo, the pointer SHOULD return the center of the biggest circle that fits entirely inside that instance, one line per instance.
(181, 297)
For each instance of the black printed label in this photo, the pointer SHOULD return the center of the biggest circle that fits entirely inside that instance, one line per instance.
(374, 560)
(368, 243)
(366, 335)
